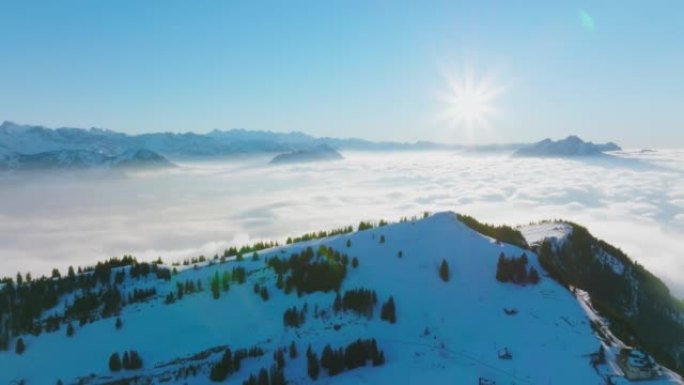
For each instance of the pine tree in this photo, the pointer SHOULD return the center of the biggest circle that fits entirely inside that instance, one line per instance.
(533, 276)
(114, 362)
(312, 365)
(215, 290)
(263, 377)
(279, 358)
(126, 362)
(444, 271)
(20, 347)
(70, 330)
(293, 351)
(349, 243)
(118, 323)
(135, 362)
(501, 273)
(388, 312)
(355, 262)
(225, 281)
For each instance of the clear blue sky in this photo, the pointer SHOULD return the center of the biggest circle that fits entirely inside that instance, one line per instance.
(608, 70)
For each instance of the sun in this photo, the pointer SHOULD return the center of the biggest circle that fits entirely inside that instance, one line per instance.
(469, 101)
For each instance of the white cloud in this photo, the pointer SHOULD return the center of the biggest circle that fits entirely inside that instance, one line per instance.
(202, 208)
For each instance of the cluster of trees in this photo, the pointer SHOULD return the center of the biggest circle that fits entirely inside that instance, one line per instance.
(230, 362)
(355, 355)
(414, 218)
(274, 376)
(246, 249)
(638, 305)
(319, 234)
(502, 233)
(261, 291)
(224, 367)
(515, 270)
(307, 272)
(131, 361)
(143, 269)
(194, 260)
(294, 318)
(141, 295)
(360, 301)
(388, 311)
(95, 289)
(183, 288)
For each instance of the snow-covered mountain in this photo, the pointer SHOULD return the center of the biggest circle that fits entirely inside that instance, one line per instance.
(568, 147)
(27, 139)
(463, 310)
(81, 159)
(319, 153)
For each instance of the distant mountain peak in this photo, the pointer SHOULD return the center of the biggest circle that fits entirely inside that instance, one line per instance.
(320, 152)
(571, 146)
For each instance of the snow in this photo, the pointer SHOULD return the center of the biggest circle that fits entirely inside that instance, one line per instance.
(538, 232)
(549, 338)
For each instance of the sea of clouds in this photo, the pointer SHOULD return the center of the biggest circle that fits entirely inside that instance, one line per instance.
(635, 202)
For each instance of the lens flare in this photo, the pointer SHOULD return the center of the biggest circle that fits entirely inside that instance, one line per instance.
(469, 101)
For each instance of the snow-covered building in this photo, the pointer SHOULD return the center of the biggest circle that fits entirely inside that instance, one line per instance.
(637, 365)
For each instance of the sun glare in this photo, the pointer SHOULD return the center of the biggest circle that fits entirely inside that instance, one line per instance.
(469, 100)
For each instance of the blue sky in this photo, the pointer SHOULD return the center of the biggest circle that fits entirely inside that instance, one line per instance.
(609, 70)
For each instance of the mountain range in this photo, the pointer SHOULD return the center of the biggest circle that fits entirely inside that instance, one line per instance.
(28, 147)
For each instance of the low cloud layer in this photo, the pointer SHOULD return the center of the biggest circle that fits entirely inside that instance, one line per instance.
(636, 203)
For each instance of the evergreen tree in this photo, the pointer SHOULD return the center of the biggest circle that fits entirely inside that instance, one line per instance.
(224, 367)
(20, 347)
(533, 276)
(264, 293)
(118, 323)
(293, 351)
(263, 377)
(135, 362)
(501, 274)
(126, 362)
(70, 330)
(355, 262)
(114, 362)
(279, 357)
(444, 271)
(215, 290)
(388, 312)
(349, 243)
(312, 367)
(225, 281)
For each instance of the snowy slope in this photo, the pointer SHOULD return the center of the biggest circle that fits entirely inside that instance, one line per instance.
(446, 332)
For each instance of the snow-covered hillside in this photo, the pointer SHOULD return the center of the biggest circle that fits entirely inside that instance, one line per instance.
(467, 330)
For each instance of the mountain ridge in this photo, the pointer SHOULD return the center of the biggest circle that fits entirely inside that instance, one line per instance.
(464, 326)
